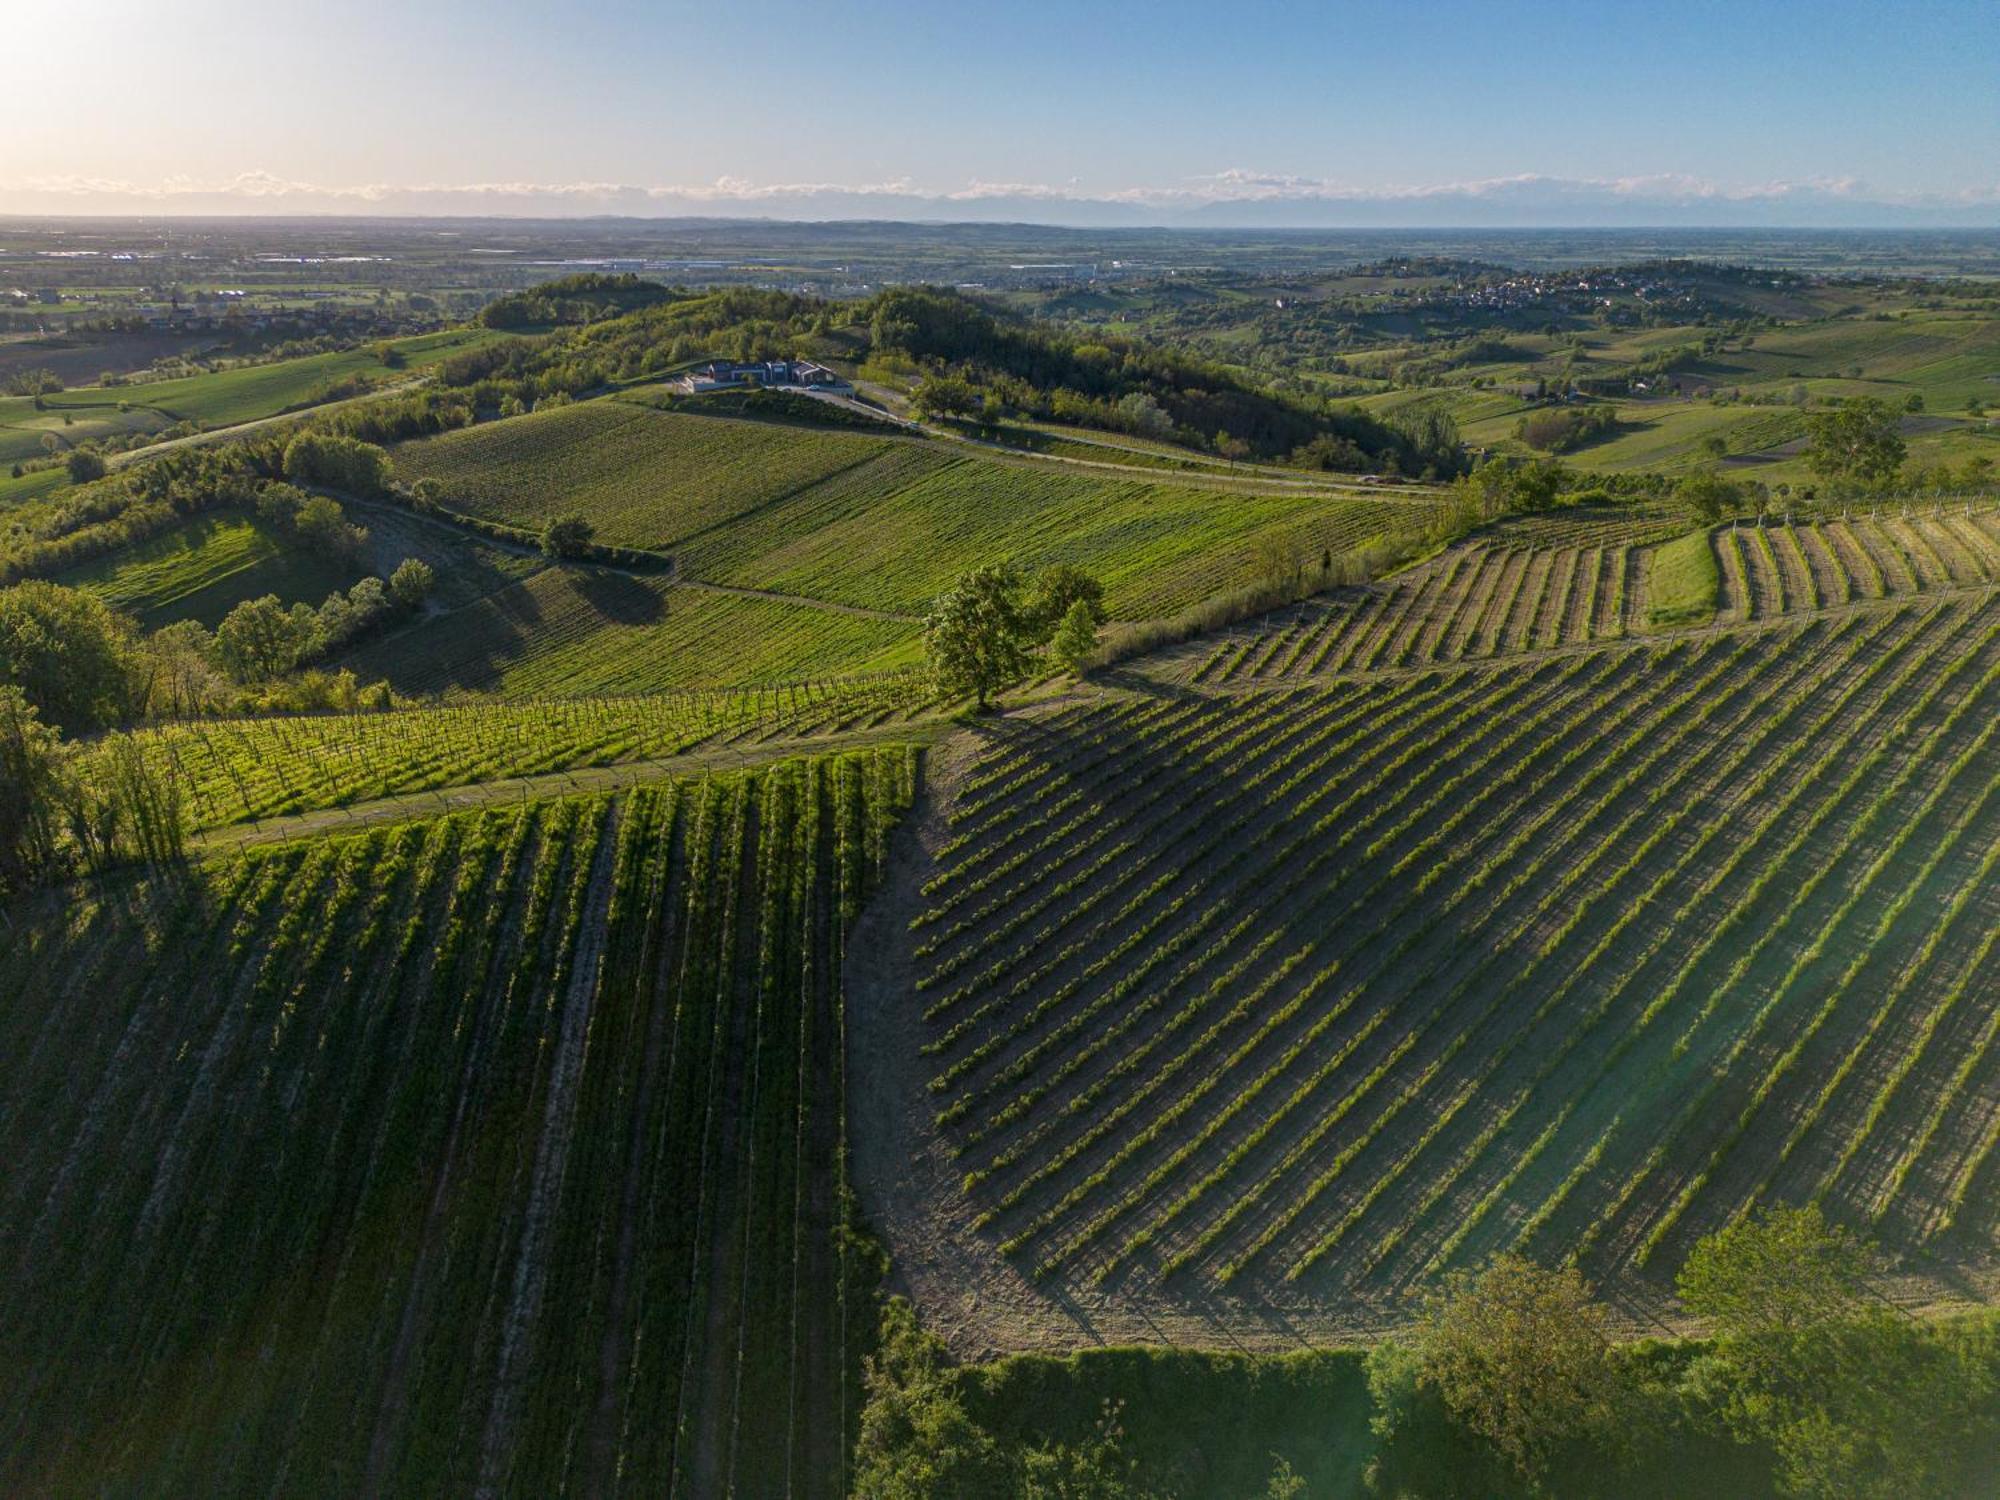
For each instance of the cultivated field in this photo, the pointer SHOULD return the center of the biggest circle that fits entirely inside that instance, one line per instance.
(1517, 587)
(1780, 569)
(593, 630)
(239, 770)
(500, 1153)
(876, 522)
(1317, 993)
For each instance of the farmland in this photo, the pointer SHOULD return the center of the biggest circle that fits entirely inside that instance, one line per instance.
(513, 1140)
(204, 567)
(222, 398)
(233, 770)
(587, 630)
(1320, 992)
(874, 522)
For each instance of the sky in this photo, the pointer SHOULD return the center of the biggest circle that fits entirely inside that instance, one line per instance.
(1229, 111)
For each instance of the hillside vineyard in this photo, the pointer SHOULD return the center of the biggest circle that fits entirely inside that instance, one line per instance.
(498, 1151)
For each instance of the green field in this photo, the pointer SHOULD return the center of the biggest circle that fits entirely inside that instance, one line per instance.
(223, 398)
(204, 567)
(1684, 583)
(502, 1151)
(879, 523)
(591, 630)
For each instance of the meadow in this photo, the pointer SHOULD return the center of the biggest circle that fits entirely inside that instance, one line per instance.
(203, 568)
(498, 1152)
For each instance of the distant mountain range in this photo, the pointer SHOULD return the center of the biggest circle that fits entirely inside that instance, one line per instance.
(1234, 199)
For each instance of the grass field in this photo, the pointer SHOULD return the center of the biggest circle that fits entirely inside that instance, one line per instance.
(500, 1153)
(587, 630)
(204, 567)
(1683, 584)
(1338, 989)
(880, 523)
(643, 477)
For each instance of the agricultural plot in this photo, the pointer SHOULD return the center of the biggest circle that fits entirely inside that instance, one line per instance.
(1490, 597)
(880, 523)
(500, 1153)
(1157, 547)
(591, 630)
(1334, 990)
(1781, 569)
(643, 477)
(219, 399)
(239, 770)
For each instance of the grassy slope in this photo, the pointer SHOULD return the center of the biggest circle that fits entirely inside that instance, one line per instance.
(584, 630)
(219, 399)
(1685, 582)
(866, 521)
(204, 567)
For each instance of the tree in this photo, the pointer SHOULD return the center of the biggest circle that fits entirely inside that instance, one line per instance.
(261, 639)
(916, 1441)
(1076, 638)
(974, 634)
(322, 523)
(339, 463)
(1857, 440)
(567, 536)
(31, 767)
(410, 585)
(1059, 588)
(1519, 1357)
(68, 653)
(1778, 1273)
(1853, 1398)
(1707, 496)
(84, 466)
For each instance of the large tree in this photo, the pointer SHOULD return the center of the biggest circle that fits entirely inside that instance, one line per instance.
(975, 634)
(68, 653)
(1858, 441)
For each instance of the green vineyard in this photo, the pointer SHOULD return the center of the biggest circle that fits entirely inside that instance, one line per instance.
(1555, 581)
(497, 1153)
(236, 770)
(1344, 987)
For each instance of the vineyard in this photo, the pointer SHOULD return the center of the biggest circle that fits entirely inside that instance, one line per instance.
(1479, 599)
(1781, 569)
(235, 770)
(643, 478)
(1565, 580)
(872, 522)
(587, 630)
(1339, 988)
(500, 1153)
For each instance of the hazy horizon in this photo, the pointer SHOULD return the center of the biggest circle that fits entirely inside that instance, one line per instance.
(1757, 114)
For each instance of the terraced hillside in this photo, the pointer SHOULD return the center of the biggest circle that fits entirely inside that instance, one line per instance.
(1317, 993)
(500, 1153)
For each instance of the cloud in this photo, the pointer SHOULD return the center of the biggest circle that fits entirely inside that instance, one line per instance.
(1232, 196)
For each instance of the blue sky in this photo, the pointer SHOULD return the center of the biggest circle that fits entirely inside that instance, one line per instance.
(1160, 106)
